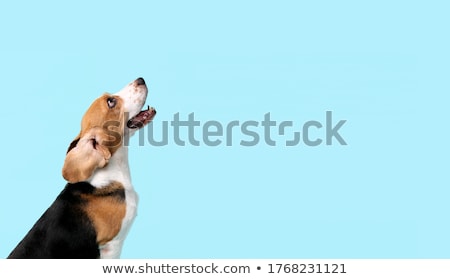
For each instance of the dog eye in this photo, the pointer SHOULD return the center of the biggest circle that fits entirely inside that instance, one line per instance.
(111, 102)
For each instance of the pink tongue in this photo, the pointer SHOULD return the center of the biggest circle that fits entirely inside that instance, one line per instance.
(141, 119)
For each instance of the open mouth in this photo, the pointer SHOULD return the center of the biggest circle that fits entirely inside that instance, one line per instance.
(142, 118)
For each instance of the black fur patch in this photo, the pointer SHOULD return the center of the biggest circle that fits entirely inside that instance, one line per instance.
(64, 231)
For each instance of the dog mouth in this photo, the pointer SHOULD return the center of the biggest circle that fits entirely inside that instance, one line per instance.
(142, 118)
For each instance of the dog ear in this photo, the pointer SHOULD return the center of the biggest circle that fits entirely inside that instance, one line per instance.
(73, 143)
(85, 155)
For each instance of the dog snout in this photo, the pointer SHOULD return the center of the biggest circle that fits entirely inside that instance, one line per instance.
(140, 81)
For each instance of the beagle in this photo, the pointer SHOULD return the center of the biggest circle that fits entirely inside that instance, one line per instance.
(92, 215)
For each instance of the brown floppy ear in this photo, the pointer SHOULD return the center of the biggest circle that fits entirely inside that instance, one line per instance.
(85, 155)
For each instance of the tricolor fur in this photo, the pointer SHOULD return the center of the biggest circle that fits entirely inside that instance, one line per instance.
(92, 215)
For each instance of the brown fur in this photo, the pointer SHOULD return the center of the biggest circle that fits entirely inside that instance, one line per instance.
(106, 209)
(100, 136)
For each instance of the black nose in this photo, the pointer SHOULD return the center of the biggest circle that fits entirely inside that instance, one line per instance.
(140, 81)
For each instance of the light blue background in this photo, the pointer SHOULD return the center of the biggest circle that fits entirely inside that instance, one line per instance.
(381, 65)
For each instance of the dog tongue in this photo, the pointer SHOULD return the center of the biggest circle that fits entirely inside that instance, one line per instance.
(141, 119)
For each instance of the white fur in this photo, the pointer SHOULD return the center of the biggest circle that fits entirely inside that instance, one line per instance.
(134, 97)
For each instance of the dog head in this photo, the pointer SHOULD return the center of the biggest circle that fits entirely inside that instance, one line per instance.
(107, 121)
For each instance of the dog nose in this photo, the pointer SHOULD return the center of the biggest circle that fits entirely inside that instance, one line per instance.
(140, 81)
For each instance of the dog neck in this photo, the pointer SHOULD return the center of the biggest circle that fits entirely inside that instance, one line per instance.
(116, 170)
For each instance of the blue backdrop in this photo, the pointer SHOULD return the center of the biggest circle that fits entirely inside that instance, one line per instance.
(382, 66)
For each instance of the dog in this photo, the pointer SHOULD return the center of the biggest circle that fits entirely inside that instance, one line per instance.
(92, 215)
